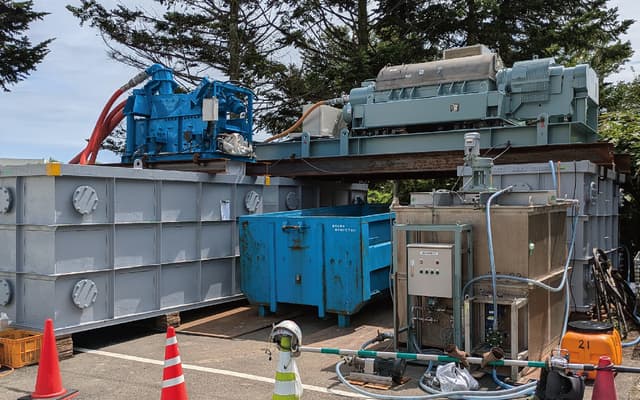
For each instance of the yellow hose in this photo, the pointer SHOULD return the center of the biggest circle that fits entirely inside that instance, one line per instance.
(298, 122)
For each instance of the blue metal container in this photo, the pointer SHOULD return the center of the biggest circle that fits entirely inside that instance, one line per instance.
(334, 258)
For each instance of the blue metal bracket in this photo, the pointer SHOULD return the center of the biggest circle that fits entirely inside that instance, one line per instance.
(344, 142)
(542, 128)
(305, 143)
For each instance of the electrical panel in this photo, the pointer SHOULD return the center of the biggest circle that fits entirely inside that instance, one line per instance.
(430, 270)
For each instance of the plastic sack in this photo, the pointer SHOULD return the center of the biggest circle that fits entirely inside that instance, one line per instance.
(453, 379)
(235, 144)
(4, 321)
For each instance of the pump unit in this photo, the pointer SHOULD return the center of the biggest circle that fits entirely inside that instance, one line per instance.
(213, 121)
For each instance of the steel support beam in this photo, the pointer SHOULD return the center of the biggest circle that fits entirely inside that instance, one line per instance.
(431, 164)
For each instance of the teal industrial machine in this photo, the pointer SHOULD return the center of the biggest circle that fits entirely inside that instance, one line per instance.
(472, 91)
(430, 106)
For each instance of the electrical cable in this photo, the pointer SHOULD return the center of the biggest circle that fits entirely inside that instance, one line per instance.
(502, 152)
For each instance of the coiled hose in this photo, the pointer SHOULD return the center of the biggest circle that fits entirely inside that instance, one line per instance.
(436, 394)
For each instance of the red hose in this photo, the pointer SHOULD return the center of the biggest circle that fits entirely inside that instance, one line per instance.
(111, 121)
(94, 140)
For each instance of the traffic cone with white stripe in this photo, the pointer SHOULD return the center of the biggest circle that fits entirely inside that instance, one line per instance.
(48, 381)
(173, 386)
(288, 385)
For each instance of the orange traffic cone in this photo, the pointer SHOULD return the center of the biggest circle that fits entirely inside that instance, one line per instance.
(173, 386)
(48, 381)
(604, 387)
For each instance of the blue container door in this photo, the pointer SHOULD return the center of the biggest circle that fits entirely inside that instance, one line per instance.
(299, 264)
(343, 247)
(257, 269)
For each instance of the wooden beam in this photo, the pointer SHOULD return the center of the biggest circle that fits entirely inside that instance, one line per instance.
(430, 164)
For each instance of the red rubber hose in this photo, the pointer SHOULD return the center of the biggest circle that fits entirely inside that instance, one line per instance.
(111, 121)
(83, 159)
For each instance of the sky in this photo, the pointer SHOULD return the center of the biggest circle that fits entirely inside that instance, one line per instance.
(53, 111)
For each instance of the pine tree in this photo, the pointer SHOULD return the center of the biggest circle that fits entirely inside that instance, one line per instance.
(18, 57)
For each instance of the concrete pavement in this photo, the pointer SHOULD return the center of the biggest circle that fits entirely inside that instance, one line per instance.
(127, 364)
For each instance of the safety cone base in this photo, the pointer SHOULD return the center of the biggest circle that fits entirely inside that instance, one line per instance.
(70, 394)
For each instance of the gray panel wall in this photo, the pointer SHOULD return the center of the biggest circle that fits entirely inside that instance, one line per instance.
(598, 191)
(156, 242)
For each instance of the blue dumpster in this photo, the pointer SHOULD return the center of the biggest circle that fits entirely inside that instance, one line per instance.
(334, 258)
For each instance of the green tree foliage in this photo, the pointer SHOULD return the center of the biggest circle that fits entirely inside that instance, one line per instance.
(18, 57)
(336, 43)
(237, 38)
(620, 125)
(382, 192)
(234, 37)
(572, 31)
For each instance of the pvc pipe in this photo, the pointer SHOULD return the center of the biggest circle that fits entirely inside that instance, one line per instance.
(532, 281)
(631, 343)
(380, 338)
(492, 260)
(567, 306)
(553, 175)
(497, 381)
(417, 356)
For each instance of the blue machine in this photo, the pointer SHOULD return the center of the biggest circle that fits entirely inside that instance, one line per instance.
(469, 89)
(334, 258)
(430, 106)
(213, 121)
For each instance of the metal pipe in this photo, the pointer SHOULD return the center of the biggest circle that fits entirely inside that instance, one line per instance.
(418, 356)
(472, 360)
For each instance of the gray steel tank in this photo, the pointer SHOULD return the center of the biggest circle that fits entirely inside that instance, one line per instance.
(91, 246)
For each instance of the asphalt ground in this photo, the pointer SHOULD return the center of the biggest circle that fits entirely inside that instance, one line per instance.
(125, 362)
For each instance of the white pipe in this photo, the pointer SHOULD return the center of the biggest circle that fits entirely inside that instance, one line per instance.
(492, 260)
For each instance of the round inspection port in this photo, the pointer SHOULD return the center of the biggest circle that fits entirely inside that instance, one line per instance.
(5, 292)
(85, 293)
(85, 199)
(6, 200)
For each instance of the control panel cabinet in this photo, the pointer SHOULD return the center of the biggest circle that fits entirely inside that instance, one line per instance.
(430, 270)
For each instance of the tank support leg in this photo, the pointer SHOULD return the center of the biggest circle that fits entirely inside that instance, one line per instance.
(344, 321)
(263, 311)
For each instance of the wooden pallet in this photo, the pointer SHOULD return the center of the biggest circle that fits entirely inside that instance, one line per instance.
(233, 323)
(162, 322)
(64, 344)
